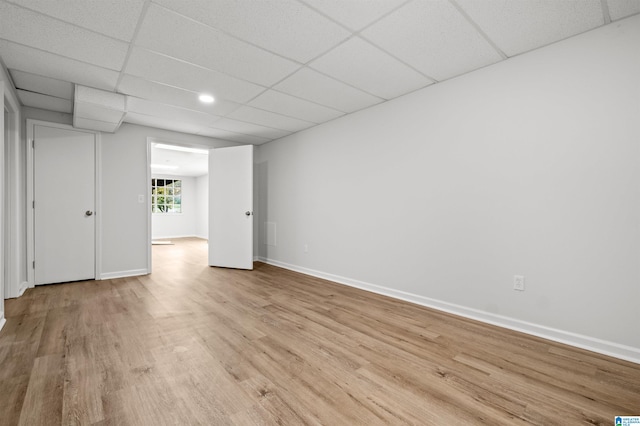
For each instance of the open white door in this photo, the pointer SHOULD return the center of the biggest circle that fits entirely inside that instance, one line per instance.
(231, 207)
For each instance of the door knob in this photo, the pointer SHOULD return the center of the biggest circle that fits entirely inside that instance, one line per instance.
(247, 213)
(88, 212)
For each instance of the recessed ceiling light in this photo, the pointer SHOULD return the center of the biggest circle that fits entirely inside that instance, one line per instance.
(204, 98)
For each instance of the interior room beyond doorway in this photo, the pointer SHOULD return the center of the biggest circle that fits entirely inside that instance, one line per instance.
(179, 193)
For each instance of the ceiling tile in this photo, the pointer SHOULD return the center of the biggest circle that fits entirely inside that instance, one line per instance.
(353, 62)
(161, 93)
(115, 18)
(619, 9)
(312, 85)
(36, 30)
(354, 14)
(519, 26)
(37, 100)
(161, 123)
(294, 107)
(234, 137)
(249, 129)
(432, 36)
(205, 46)
(36, 61)
(269, 119)
(169, 112)
(286, 27)
(163, 69)
(40, 84)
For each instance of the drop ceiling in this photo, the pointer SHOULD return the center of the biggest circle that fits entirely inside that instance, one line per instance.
(275, 67)
(172, 162)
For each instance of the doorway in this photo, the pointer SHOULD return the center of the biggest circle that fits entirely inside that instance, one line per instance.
(179, 177)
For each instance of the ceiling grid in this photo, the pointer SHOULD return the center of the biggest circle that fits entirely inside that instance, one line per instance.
(275, 67)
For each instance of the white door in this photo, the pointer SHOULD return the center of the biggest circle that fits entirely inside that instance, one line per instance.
(231, 207)
(64, 214)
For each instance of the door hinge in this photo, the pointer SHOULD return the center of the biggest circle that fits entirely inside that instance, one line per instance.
(33, 143)
(33, 205)
(34, 264)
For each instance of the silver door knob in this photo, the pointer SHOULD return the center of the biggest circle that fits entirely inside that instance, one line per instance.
(247, 213)
(88, 212)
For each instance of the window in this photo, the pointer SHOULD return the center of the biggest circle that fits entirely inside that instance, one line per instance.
(166, 196)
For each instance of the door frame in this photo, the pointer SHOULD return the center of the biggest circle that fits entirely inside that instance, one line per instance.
(2, 208)
(30, 194)
(13, 242)
(150, 141)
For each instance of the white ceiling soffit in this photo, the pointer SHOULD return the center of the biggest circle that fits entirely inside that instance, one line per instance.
(274, 67)
(98, 109)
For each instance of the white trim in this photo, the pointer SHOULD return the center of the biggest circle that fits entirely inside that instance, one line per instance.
(147, 205)
(3, 321)
(28, 205)
(3, 236)
(97, 193)
(593, 344)
(30, 195)
(24, 285)
(12, 198)
(123, 274)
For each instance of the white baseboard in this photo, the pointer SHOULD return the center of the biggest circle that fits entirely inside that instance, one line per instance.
(3, 321)
(123, 274)
(24, 285)
(593, 344)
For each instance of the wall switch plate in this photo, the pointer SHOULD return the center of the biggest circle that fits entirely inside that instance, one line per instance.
(306, 248)
(518, 282)
(141, 198)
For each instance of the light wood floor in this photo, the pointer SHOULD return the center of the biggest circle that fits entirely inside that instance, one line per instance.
(190, 344)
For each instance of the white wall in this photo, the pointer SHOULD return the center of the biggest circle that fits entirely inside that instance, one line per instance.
(530, 167)
(124, 176)
(123, 179)
(176, 225)
(202, 207)
(14, 234)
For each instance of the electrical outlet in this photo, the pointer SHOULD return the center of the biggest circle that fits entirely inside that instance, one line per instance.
(306, 248)
(518, 282)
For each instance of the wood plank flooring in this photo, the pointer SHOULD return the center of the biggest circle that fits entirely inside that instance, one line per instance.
(190, 345)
